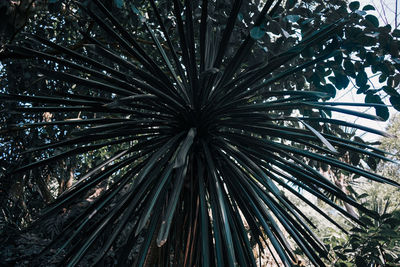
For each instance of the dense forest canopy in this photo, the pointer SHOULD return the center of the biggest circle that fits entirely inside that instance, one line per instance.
(173, 132)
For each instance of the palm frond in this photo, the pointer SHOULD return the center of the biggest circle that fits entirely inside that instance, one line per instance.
(208, 146)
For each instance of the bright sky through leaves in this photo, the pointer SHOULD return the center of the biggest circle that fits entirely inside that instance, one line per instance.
(385, 12)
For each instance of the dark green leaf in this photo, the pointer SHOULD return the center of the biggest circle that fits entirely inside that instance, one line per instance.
(372, 20)
(395, 101)
(396, 33)
(354, 5)
(293, 18)
(390, 91)
(368, 7)
(119, 3)
(361, 79)
(381, 111)
(257, 32)
(290, 4)
(359, 261)
(341, 81)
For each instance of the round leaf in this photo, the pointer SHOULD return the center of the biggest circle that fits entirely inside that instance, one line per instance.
(354, 5)
(361, 79)
(119, 3)
(341, 81)
(240, 16)
(368, 7)
(373, 20)
(330, 89)
(257, 33)
(381, 111)
(396, 33)
(349, 67)
(290, 4)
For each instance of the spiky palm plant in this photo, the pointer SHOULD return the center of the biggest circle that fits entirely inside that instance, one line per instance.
(208, 146)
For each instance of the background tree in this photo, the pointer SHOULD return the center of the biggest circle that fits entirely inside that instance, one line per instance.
(377, 245)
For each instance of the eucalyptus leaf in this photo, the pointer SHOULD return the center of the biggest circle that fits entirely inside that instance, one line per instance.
(354, 5)
(373, 20)
(257, 33)
(368, 7)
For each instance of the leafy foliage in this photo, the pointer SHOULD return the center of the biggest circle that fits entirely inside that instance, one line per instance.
(202, 137)
(367, 46)
(377, 245)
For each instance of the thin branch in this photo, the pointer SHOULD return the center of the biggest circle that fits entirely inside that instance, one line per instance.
(384, 12)
(395, 15)
(377, 10)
